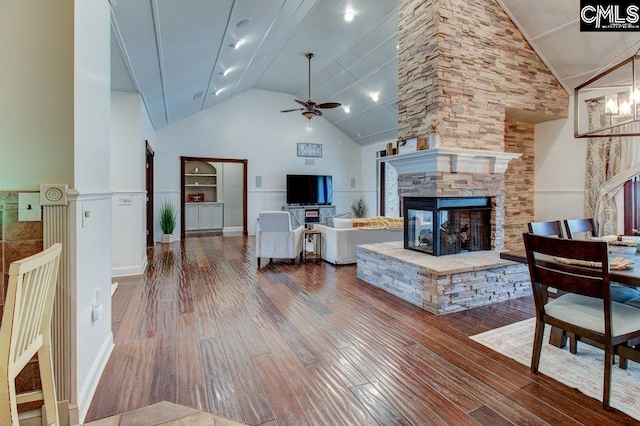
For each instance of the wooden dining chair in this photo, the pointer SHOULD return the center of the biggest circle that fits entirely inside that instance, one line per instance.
(573, 226)
(586, 310)
(546, 228)
(26, 331)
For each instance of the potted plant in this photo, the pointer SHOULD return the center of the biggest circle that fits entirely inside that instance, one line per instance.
(430, 127)
(167, 220)
(359, 207)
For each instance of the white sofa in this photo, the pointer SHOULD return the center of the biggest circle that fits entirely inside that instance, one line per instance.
(339, 244)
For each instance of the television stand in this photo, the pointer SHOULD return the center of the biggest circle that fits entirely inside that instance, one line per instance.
(309, 214)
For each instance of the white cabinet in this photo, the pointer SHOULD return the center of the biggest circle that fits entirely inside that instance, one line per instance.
(191, 213)
(217, 215)
(203, 216)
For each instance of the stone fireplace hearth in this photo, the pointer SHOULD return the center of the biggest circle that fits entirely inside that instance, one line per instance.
(470, 278)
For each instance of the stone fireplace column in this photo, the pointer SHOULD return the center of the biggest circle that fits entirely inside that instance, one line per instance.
(464, 63)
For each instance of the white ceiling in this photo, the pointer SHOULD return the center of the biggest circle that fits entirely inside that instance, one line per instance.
(173, 52)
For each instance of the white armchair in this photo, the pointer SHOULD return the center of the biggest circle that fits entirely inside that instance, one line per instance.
(275, 238)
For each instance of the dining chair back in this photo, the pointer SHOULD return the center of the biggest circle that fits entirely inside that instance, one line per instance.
(26, 331)
(586, 310)
(574, 226)
(546, 228)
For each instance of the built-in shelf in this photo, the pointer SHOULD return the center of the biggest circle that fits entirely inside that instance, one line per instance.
(203, 209)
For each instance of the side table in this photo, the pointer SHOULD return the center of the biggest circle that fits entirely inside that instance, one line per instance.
(312, 245)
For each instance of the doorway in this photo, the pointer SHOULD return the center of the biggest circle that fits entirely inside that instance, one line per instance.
(149, 188)
(202, 192)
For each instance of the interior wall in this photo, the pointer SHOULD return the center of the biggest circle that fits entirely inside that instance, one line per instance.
(91, 198)
(128, 206)
(36, 106)
(250, 126)
(559, 165)
(54, 116)
(232, 192)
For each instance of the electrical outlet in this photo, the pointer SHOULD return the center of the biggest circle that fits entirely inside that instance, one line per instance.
(96, 312)
(124, 200)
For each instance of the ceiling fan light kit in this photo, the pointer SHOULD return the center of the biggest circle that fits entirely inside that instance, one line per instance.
(310, 109)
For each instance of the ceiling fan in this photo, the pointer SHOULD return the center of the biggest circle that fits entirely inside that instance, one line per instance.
(310, 109)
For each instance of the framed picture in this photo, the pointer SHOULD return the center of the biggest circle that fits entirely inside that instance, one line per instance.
(309, 150)
(196, 198)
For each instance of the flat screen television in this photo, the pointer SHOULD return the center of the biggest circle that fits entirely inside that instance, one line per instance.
(309, 189)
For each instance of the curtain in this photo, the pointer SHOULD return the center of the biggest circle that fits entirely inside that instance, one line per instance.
(603, 163)
(611, 161)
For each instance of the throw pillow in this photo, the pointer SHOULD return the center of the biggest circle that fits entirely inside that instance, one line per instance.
(338, 216)
(340, 223)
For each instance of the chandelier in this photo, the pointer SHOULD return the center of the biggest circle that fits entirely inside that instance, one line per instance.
(609, 103)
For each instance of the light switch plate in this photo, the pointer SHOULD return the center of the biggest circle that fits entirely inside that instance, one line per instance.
(29, 209)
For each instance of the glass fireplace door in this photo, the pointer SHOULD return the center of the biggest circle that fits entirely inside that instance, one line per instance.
(420, 230)
(447, 225)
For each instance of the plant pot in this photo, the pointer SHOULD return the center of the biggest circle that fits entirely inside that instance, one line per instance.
(166, 238)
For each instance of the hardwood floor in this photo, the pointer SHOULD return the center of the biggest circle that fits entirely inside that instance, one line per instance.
(311, 344)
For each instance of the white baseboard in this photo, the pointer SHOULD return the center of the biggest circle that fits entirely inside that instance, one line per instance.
(91, 383)
(232, 230)
(129, 270)
(114, 287)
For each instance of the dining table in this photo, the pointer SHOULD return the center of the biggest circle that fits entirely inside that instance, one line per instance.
(629, 276)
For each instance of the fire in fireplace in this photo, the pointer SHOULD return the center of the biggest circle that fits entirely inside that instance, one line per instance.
(447, 225)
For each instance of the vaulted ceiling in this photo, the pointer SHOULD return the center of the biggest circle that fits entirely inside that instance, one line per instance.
(181, 55)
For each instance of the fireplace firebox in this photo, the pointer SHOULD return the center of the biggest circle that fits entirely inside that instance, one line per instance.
(447, 225)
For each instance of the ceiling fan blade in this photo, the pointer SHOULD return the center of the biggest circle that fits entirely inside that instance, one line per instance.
(290, 110)
(304, 104)
(317, 112)
(329, 105)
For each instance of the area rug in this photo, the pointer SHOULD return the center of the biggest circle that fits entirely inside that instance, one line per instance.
(583, 371)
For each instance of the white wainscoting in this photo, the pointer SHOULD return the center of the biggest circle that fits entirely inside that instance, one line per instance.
(558, 204)
(128, 248)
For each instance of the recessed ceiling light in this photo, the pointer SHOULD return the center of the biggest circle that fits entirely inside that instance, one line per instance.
(243, 23)
(348, 15)
(236, 44)
(218, 92)
(226, 72)
(375, 96)
(347, 109)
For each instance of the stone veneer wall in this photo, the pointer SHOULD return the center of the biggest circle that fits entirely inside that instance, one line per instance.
(466, 61)
(442, 292)
(17, 241)
(518, 199)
